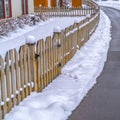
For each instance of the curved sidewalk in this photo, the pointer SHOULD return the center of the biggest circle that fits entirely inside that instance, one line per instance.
(103, 101)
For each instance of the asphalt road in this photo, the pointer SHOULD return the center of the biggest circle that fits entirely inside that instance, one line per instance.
(103, 101)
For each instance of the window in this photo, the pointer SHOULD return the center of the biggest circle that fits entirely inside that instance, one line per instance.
(24, 7)
(2, 9)
(5, 8)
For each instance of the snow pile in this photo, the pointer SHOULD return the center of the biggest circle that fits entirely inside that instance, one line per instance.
(13, 24)
(62, 96)
(57, 29)
(76, 21)
(30, 39)
(110, 3)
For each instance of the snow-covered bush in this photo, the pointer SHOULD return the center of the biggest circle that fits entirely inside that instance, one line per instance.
(44, 17)
(12, 24)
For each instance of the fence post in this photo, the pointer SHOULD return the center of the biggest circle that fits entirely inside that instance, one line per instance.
(30, 41)
(77, 22)
(57, 41)
(2, 89)
(88, 26)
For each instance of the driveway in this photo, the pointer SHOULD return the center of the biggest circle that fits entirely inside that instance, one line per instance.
(103, 101)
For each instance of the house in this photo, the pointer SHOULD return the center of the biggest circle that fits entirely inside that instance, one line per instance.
(14, 8)
(55, 3)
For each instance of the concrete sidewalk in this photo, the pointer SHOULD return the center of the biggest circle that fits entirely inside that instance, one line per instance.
(103, 101)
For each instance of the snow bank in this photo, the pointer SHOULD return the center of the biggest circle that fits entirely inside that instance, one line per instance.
(110, 3)
(63, 95)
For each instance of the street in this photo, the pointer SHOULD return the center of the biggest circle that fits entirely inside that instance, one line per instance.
(103, 101)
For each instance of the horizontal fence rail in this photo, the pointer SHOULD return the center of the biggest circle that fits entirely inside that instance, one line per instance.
(34, 66)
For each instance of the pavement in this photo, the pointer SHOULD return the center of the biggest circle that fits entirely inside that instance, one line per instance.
(103, 101)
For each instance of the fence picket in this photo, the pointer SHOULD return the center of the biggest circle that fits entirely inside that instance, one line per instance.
(1, 111)
(55, 65)
(17, 71)
(38, 64)
(29, 72)
(25, 66)
(8, 81)
(48, 45)
(21, 75)
(46, 59)
(40, 60)
(13, 81)
(3, 88)
(52, 59)
(44, 65)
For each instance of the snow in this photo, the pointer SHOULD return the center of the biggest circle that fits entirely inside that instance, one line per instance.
(109, 3)
(57, 29)
(30, 39)
(76, 21)
(39, 31)
(63, 95)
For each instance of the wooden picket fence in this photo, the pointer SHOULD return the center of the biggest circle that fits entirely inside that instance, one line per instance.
(63, 12)
(34, 66)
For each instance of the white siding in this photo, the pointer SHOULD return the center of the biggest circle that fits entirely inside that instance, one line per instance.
(57, 3)
(30, 6)
(49, 4)
(16, 8)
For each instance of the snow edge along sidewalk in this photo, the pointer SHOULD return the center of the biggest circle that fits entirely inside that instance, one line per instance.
(106, 38)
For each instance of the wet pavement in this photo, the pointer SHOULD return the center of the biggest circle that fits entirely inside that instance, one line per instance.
(103, 101)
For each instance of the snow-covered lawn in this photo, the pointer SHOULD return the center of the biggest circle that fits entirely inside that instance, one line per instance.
(40, 31)
(63, 95)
